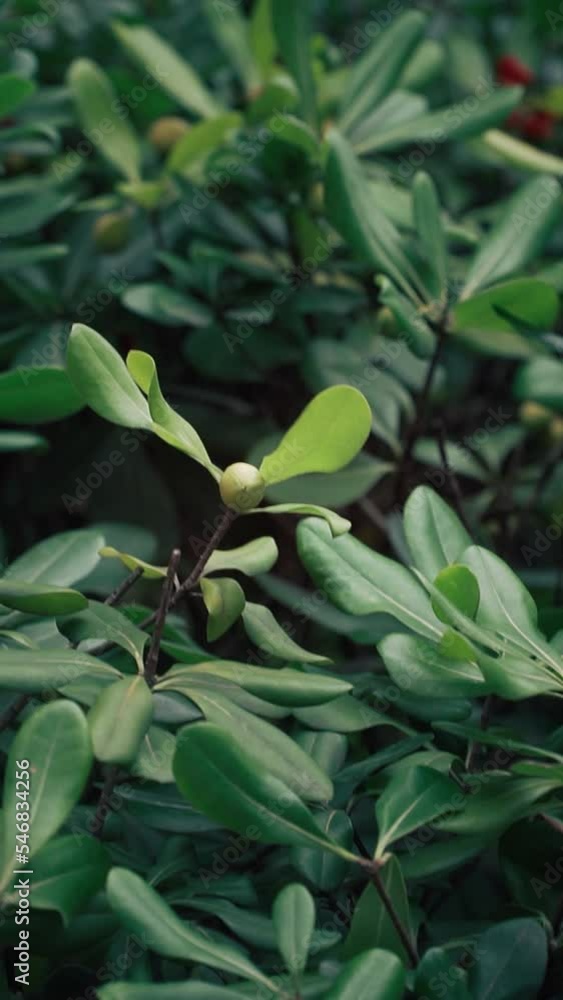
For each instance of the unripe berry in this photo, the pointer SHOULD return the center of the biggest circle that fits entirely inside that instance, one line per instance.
(556, 430)
(242, 487)
(165, 132)
(534, 415)
(111, 231)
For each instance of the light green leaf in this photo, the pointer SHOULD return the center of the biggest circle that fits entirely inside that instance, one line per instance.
(412, 799)
(14, 90)
(167, 306)
(373, 975)
(62, 559)
(146, 914)
(327, 435)
(101, 621)
(435, 535)
(265, 632)
(225, 783)
(262, 38)
(100, 375)
(55, 741)
(253, 558)
(459, 585)
(284, 686)
(150, 572)
(119, 719)
(189, 155)
(231, 30)
(516, 238)
(156, 753)
(417, 333)
(541, 380)
(491, 321)
(168, 424)
(38, 669)
(293, 914)
(96, 102)
(224, 599)
(427, 213)
(419, 667)
(37, 395)
(337, 525)
(291, 21)
(40, 598)
(174, 75)
(520, 154)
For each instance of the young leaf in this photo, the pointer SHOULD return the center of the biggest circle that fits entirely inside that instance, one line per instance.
(291, 21)
(225, 783)
(337, 525)
(253, 558)
(413, 799)
(459, 585)
(189, 155)
(119, 720)
(225, 600)
(150, 572)
(377, 72)
(100, 376)
(419, 667)
(362, 582)
(373, 975)
(418, 335)
(327, 435)
(147, 915)
(40, 598)
(293, 914)
(430, 232)
(435, 535)
(175, 76)
(55, 741)
(96, 102)
(371, 925)
(14, 90)
(491, 322)
(354, 212)
(516, 239)
(265, 632)
(168, 424)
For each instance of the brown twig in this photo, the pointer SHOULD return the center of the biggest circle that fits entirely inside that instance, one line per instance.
(124, 587)
(474, 746)
(103, 801)
(160, 620)
(405, 938)
(452, 478)
(418, 425)
(13, 710)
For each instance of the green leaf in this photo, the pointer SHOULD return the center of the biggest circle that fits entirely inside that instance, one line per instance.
(67, 872)
(11, 441)
(119, 720)
(419, 667)
(354, 212)
(37, 395)
(284, 686)
(189, 155)
(411, 800)
(55, 741)
(435, 535)
(373, 975)
(324, 870)
(337, 525)
(327, 435)
(224, 782)
(168, 424)
(511, 961)
(167, 306)
(492, 321)
(292, 28)
(96, 102)
(262, 37)
(253, 558)
(377, 72)
(150, 572)
(156, 753)
(459, 585)
(100, 375)
(496, 804)
(175, 76)
(427, 213)
(265, 632)
(541, 380)
(293, 914)
(446, 124)
(14, 258)
(14, 90)
(437, 966)
(362, 582)
(371, 925)
(188, 990)
(100, 621)
(518, 237)
(37, 669)
(143, 912)
(40, 598)
(231, 31)
(224, 599)
(62, 559)
(418, 335)
(520, 154)
(264, 744)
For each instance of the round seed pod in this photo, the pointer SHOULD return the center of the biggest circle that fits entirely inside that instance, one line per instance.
(242, 487)
(534, 415)
(165, 132)
(111, 231)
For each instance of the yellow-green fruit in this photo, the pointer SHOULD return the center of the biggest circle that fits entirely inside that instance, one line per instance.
(242, 487)
(534, 415)
(165, 132)
(111, 231)
(556, 430)
(387, 324)
(16, 163)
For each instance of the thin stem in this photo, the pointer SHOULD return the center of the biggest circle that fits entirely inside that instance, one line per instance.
(485, 720)
(450, 474)
(418, 425)
(162, 611)
(104, 799)
(119, 593)
(393, 915)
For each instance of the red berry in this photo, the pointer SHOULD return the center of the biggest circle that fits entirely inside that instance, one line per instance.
(510, 70)
(538, 125)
